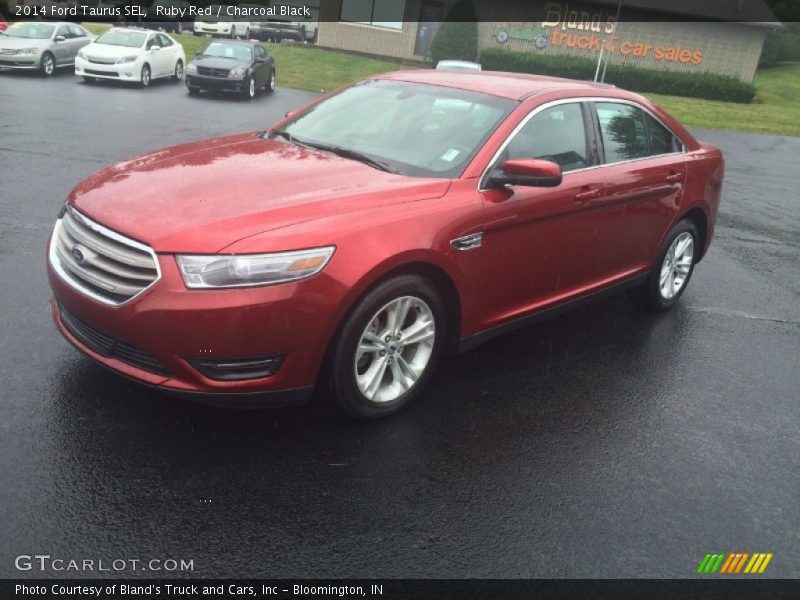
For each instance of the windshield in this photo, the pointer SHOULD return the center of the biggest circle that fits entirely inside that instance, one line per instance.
(31, 31)
(223, 50)
(118, 37)
(415, 129)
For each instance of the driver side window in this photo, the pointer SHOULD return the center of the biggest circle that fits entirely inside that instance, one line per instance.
(151, 43)
(557, 134)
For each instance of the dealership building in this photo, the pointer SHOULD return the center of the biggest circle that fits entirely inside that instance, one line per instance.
(681, 35)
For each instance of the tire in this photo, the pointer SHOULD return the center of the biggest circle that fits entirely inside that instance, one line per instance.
(177, 75)
(670, 275)
(47, 66)
(247, 34)
(233, 32)
(145, 78)
(249, 91)
(352, 372)
(193, 91)
(269, 87)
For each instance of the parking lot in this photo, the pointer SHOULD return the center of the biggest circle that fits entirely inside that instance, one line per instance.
(605, 443)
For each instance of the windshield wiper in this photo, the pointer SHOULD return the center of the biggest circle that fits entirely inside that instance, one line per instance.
(353, 154)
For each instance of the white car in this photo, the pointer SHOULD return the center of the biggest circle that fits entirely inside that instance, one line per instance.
(457, 65)
(128, 54)
(226, 26)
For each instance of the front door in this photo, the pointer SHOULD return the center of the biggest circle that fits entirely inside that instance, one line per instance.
(539, 243)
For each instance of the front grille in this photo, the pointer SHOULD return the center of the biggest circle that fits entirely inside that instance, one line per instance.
(109, 346)
(101, 61)
(212, 72)
(99, 262)
(101, 73)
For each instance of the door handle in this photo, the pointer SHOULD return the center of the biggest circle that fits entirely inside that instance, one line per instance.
(587, 194)
(674, 177)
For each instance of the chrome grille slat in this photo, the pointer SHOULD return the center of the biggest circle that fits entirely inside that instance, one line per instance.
(99, 262)
(106, 246)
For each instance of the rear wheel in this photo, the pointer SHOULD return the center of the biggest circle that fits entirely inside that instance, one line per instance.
(48, 65)
(270, 85)
(673, 269)
(388, 347)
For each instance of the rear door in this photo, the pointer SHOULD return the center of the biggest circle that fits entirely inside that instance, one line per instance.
(645, 176)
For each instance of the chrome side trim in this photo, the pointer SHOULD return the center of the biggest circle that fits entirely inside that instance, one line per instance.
(578, 100)
(468, 242)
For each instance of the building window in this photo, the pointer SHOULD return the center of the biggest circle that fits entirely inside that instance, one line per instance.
(381, 13)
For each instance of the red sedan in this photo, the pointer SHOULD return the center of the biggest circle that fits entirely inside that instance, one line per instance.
(362, 237)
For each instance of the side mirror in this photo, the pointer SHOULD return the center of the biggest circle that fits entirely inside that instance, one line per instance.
(59, 38)
(155, 48)
(531, 172)
(291, 113)
(198, 54)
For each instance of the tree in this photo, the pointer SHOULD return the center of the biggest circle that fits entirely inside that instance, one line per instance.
(457, 38)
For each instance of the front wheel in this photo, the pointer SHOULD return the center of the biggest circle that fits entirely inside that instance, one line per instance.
(673, 269)
(250, 88)
(48, 65)
(178, 73)
(388, 348)
(145, 77)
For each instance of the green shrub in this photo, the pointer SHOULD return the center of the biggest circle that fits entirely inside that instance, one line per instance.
(457, 38)
(636, 79)
(781, 45)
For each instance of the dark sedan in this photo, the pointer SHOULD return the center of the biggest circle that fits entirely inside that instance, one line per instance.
(232, 66)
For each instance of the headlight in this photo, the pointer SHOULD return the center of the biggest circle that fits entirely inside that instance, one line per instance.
(29, 51)
(191, 68)
(243, 270)
(237, 73)
(81, 55)
(127, 59)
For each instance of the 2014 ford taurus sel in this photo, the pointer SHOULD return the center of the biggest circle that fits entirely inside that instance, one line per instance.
(362, 237)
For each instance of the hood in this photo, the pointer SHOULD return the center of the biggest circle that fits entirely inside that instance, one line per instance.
(17, 42)
(216, 62)
(204, 196)
(109, 51)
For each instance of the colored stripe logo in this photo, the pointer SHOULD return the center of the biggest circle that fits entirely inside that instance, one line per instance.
(734, 563)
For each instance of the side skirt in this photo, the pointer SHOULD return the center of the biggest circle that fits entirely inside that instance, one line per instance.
(473, 341)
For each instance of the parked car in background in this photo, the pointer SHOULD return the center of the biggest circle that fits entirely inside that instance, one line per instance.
(163, 22)
(42, 45)
(131, 55)
(224, 25)
(350, 254)
(457, 65)
(277, 30)
(232, 66)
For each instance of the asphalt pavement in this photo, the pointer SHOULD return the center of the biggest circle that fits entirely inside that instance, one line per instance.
(608, 442)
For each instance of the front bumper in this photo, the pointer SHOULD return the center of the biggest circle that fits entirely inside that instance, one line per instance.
(20, 61)
(215, 83)
(170, 325)
(131, 71)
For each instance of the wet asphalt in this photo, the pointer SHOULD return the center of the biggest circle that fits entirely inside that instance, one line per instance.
(605, 443)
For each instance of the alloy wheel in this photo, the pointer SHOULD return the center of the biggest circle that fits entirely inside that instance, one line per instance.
(394, 349)
(145, 76)
(48, 65)
(179, 71)
(677, 265)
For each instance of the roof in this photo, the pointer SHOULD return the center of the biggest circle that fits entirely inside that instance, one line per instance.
(513, 86)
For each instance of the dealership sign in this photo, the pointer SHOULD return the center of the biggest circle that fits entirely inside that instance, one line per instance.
(567, 27)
